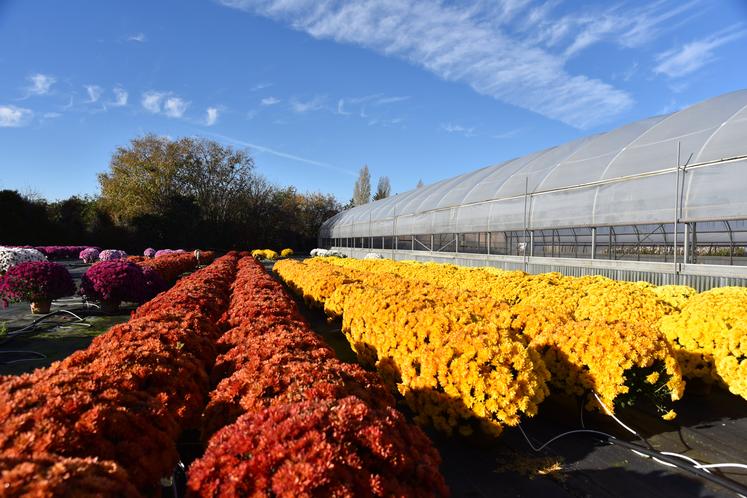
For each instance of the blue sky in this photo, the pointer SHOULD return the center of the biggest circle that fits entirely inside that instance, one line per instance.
(315, 89)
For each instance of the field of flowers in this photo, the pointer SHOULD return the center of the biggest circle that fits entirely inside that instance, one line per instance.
(224, 352)
(124, 400)
(469, 346)
(110, 281)
(310, 424)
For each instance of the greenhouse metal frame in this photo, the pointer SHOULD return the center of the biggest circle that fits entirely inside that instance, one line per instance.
(663, 199)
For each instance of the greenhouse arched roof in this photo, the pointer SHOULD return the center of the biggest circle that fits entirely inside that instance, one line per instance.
(693, 160)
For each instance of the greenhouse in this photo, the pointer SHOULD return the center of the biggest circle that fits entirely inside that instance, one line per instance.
(662, 200)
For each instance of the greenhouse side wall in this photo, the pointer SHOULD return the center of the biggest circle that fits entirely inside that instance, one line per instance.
(660, 200)
(701, 277)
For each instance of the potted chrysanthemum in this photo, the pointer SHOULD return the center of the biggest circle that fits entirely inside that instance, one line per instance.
(111, 282)
(89, 255)
(37, 282)
(112, 255)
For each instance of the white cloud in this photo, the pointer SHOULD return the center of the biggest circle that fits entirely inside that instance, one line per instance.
(164, 103)
(260, 86)
(151, 101)
(285, 155)
(137, 37)
(14, 117)
(681, 61)
(619, 23)
(341, 108)
(456, 128)
(307, 106)
(94, 93)
(211, 116)
(268, 101)
(628, 73)
(508, 134)
(174, 107)
(460, 43)
(391, 100)
(40, 84)
(120, 97)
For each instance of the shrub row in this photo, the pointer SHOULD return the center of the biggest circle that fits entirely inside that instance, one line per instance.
(124, 400)
(170, 266)
(60, 252)
(295, 420)
(136, 279)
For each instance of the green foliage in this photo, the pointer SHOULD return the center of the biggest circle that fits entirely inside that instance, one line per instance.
(640, 389)
(187, 192)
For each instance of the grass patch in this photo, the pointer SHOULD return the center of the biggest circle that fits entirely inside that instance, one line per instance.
(55, 344)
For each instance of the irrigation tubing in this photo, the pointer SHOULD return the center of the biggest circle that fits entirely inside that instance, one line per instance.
(31, 327)
(670, 459)
(38, 356)
(696, 470)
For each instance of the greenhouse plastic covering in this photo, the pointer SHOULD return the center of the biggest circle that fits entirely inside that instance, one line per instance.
(691, 164)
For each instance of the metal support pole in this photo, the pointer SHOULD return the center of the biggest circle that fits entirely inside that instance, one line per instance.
(456, 242)
(412, 240)
(526, 195)
(686, 249)
(552, 243)
(431, 242)
(489, 241)
(676, 214)
(695, 243)
(593, 242)
(638, 242)
(394, 232)
(531, 243)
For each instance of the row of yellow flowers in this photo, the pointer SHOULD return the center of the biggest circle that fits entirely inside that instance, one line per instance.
(709, 335)
(270, 254)
(421, 322)
(707, 331)
(455, 359)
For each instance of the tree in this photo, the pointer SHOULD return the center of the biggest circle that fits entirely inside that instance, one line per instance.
(420, 183)
(178, 190)
(25, 219)
(383, 189)
(153, 170)
(362, 189)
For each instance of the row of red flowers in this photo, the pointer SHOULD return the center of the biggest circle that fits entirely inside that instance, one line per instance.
(123, 401)
(289, 419)
(170, 266)
(136, 279)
